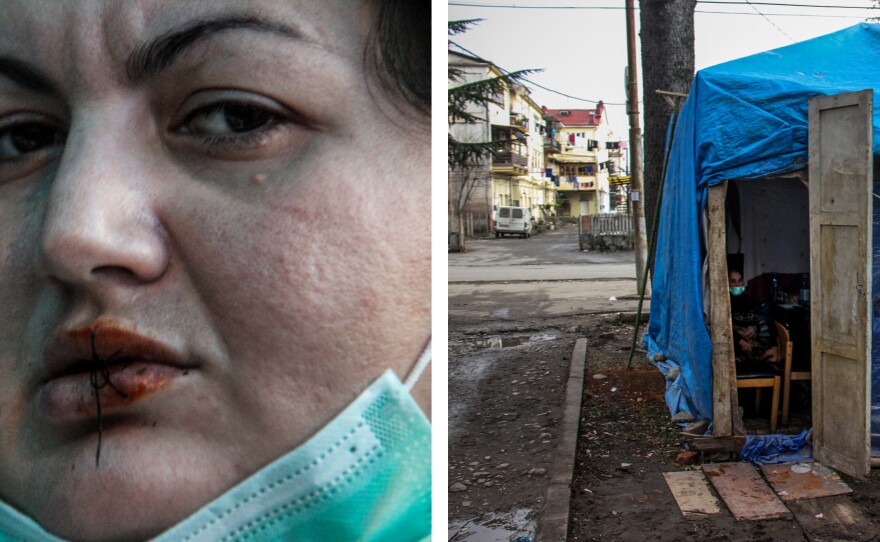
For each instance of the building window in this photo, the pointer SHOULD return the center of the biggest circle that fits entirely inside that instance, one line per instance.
(572, 170)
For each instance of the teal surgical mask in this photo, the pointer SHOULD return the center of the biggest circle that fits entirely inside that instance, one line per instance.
(366, 476)
(737, 290)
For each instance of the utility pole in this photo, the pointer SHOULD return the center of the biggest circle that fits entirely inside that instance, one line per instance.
(635, 153)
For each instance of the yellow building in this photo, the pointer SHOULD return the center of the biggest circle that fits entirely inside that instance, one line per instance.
(583, 166)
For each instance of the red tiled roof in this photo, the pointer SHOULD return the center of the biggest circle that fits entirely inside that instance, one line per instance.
(578, 117)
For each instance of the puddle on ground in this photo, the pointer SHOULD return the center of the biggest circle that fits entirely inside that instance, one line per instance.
(495, 527)
(507, 342)
(502, 342)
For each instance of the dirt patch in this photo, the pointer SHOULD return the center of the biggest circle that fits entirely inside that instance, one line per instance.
(507, 387)
(626, 442)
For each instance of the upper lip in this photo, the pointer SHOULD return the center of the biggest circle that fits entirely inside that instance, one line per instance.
(80, 349)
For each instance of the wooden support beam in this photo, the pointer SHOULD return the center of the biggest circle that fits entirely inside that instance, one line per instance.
(670, 93)
(725, 406)
(670, 96)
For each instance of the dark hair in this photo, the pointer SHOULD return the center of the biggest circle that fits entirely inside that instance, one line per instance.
(399, 52)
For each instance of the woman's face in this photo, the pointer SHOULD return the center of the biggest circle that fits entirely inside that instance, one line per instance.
(735, 279)
(213, 199)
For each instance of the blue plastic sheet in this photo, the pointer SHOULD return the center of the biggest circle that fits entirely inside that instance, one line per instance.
(770, 449)
(743, 119)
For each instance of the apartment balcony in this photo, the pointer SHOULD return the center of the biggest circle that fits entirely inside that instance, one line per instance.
(509, 163)
(615, 148)
(551, 146)
(519, 121)
(584, 184)
(588, 155)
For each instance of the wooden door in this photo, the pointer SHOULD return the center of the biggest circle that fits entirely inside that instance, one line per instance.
(840, 243)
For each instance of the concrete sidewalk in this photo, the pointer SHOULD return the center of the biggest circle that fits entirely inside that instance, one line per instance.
(553, 525)
(546, 272)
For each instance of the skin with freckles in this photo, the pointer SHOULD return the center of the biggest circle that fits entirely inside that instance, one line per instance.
(241, 197)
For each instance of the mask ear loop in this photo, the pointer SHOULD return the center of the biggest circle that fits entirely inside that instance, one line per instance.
(418, 368)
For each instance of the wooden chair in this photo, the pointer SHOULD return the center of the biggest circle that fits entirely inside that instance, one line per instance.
(784, 347)
(761, 377)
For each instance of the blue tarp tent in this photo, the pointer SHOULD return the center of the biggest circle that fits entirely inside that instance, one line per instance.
(744, 119)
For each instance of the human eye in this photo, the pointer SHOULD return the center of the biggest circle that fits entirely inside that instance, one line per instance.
(28, 142)
(24, 137)
(228, 121)
(224, 119)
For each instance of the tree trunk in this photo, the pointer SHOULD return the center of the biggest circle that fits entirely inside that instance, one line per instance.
(667, 39)
(462, 234)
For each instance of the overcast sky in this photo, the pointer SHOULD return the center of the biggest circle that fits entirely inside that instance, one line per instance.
(583, 51)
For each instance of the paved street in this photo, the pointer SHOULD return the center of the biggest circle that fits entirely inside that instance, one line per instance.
(545, 275)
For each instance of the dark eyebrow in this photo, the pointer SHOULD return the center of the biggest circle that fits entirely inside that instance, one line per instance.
(150, 58)
(26, 76)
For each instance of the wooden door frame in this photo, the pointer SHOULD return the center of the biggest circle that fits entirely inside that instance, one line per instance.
(726, 419)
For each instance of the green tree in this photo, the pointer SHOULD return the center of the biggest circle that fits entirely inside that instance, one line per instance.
(469, 162)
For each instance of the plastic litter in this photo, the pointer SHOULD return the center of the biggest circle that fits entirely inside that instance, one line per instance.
(801, 468)
(771, 449)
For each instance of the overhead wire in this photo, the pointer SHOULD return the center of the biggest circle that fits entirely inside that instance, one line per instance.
(784, 33)
(722, 2)
(702, 11)
(783, 4)
(819, 15)
(507, 72)
(752, 4)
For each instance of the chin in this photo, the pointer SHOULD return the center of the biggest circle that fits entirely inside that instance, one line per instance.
(139, 489)
(104, 530)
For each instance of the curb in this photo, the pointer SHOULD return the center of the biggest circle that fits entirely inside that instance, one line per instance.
(553, 525)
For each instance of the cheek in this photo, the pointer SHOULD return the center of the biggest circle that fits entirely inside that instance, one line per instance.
(27, 307)
(19, 239)
(290, 282)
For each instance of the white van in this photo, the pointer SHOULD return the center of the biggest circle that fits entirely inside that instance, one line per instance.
(513, 221)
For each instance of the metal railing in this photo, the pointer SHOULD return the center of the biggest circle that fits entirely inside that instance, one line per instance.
(606, 232)
(607, 224)
(551, 144)
(509, 159)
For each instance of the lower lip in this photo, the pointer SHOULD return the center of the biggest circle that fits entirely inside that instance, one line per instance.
(72, 397)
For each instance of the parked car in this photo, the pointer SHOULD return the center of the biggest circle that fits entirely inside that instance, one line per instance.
(514, 221)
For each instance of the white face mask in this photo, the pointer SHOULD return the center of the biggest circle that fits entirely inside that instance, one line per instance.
(365, 476)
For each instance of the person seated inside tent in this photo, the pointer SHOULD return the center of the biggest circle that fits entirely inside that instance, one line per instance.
(752, 341)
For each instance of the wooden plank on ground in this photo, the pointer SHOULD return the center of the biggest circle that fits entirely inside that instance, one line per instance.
(715, 444)
(834, 518)
(744, 491)
(692, 493)
(804, 480)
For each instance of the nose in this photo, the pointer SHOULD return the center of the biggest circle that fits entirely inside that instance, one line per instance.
(99, 223)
